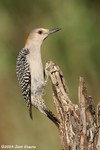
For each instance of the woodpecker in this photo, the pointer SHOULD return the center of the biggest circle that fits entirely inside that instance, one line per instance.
(30, 73)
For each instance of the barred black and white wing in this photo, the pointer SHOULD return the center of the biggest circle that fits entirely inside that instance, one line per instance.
(24, 77)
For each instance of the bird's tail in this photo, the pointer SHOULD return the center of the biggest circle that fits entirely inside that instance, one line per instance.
(38, 102)
(52, 117)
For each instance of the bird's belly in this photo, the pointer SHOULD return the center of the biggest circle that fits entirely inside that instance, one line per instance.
(37, 76)
(37, 82)
(37, 87)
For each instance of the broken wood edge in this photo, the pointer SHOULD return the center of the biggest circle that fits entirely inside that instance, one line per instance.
(78, 124)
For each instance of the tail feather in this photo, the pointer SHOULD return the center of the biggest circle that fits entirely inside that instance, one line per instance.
(30, 111)
(38, 103)
(52, 117)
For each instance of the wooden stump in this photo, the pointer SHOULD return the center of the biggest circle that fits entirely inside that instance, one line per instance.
(79, 124)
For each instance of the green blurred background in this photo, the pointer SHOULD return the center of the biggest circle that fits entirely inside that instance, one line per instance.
(76, 49)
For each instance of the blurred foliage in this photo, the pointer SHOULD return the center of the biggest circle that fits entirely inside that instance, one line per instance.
(76, 49)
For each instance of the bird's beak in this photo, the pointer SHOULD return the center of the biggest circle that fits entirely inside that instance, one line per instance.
(53, 30)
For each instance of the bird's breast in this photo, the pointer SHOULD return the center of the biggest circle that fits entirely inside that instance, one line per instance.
(37, 80)
(37, 76)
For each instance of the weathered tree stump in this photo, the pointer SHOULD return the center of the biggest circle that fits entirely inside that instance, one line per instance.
(79, 126)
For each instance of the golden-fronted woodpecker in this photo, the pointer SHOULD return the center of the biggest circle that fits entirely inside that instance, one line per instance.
(30, 74)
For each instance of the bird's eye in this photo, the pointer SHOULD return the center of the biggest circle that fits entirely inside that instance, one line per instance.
(40, 32)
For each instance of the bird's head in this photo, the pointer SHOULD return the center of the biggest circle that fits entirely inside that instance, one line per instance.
(38, 35)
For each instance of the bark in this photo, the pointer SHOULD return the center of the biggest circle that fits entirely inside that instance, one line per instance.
(79, 126)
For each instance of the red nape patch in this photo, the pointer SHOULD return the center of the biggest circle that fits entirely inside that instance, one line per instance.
(26, 38)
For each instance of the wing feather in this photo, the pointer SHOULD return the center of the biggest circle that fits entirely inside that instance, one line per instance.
(24, 77)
